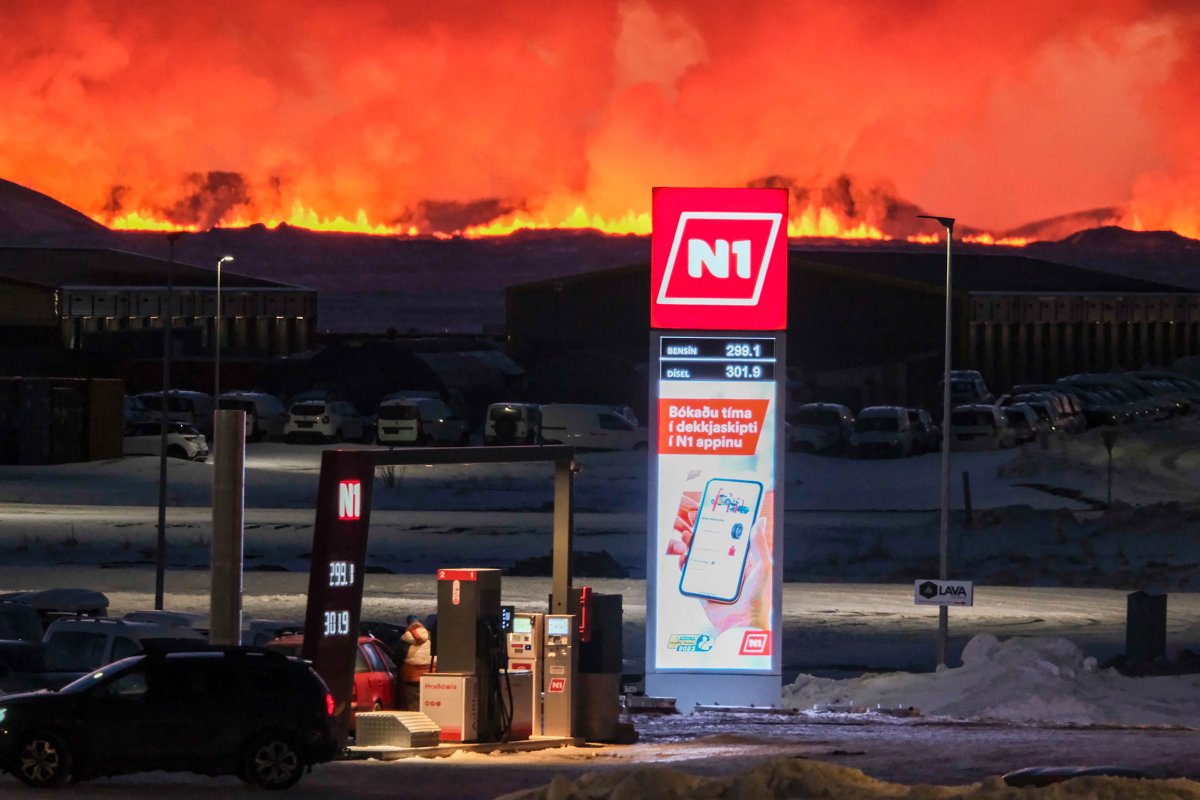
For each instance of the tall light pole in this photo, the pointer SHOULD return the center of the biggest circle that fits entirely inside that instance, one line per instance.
(944, 533)
(217, 341)
(160, 549)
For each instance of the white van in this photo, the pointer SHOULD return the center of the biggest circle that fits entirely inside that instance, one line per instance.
(77, 646)
(193, 408)
(591, 426)
(420, 421)
(978, 426)
(882, 430)
(513, 423)
(265, 413)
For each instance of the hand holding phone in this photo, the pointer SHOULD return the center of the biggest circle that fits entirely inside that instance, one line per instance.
(720, 542)
(752, 606)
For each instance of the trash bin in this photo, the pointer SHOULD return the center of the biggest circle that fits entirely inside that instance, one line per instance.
(1145, 627)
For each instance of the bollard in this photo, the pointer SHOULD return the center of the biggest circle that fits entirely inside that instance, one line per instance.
(1145, 627)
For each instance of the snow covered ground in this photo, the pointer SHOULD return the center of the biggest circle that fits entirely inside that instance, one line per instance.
(1049, 566)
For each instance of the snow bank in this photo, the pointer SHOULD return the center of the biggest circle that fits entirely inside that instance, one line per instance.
(1023, 679)
(800, 778)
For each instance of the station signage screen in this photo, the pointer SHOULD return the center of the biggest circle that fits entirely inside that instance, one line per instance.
(714, 536)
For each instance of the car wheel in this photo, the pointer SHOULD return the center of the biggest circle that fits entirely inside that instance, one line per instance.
(273, 762)
(337, 437)
(175, 451)
(42, 760)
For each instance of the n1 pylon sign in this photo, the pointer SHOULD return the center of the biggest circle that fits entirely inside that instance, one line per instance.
(719, 259)
(714, 546)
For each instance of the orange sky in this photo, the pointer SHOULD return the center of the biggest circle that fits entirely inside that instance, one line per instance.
(435, 117)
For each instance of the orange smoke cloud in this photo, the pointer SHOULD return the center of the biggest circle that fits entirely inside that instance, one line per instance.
(418, 118)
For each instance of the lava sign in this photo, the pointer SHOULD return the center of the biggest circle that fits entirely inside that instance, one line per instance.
(719, 259)
(929, 592)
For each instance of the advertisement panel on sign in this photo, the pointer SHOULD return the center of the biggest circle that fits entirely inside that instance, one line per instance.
(719, 259)
(717, 417)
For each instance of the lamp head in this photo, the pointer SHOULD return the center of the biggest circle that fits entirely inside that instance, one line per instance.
(946, 222)
(224, 259)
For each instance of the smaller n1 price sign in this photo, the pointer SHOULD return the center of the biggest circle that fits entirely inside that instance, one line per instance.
(335, 583)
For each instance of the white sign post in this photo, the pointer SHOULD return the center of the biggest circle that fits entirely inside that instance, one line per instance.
(931, 592)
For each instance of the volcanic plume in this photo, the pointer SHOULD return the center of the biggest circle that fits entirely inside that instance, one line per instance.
(469, 117)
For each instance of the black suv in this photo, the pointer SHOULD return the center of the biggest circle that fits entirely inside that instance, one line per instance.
(259, 715)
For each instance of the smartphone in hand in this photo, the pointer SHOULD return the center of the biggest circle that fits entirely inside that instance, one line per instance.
(716, 560)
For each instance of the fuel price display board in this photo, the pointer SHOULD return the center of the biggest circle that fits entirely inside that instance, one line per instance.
(711, 358)
(335, 580)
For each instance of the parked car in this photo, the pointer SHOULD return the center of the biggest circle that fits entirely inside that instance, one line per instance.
(336, 421)
(265, 413)
(177, 619)
(592, 427)
(821, 428)
(966, 386)
(76, 646)
(21, 666)
(419, 421)
(135, 411)
(183, 441)
(257, 632)
(55, 604)
(376, 677)
(19, 622)
(512, 423)
(1048, 409)
(1026, 423)
(20, 647)
(882, 430)
(258, 715)
(927, 436)
(1143, 404)
(977, 426)
(191, 408)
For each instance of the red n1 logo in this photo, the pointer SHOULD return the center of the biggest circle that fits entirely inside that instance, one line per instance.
(558, 685)
(755, 643)
(719, 259)
(349, 500)
(704, 242)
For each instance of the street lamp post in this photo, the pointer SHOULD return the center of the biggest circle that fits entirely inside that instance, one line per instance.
(217, 340)
(944, 529)
(160, 549)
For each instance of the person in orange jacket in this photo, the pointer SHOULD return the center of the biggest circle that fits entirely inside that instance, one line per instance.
(417, 661)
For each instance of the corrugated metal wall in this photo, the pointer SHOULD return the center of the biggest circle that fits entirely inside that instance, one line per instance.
(60, 420)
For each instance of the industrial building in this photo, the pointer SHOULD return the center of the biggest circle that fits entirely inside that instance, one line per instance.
(866, 325)
(76, 299)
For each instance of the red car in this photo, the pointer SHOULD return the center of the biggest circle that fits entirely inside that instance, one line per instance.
(376, 679)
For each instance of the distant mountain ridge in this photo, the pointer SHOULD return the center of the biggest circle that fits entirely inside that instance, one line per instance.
(30, 217)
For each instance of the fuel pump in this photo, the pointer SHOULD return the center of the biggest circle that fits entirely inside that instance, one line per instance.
(465, 696)
(558, 681)
(526, 652)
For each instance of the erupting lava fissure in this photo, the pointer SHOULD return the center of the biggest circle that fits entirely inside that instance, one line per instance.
(467, 119)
